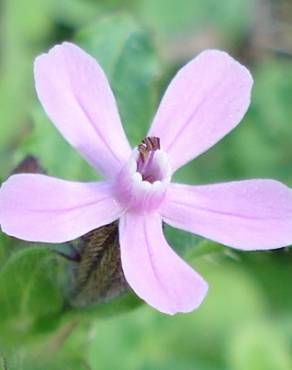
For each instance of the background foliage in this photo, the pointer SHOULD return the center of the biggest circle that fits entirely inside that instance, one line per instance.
(245, 322)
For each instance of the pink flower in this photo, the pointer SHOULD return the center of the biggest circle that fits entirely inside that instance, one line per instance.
(206, 99)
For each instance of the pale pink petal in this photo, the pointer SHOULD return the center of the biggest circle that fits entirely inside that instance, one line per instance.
(45, 209)
(206, 99)
(75, 94)
(153, 270)
(249, 215)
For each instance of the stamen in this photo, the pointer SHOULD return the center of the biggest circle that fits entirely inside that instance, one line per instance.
(146, 153)
(148, 145)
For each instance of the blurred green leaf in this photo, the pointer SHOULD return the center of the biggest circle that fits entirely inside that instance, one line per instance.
(8, 246)
(190, 246)
(177, 17)
(23, 26)
(204, 248)
(260, 346)
(120, 305)
(74, 13)
(30, 298)
(55, 155)
(125, 51)
(273, 275)
(182, 241)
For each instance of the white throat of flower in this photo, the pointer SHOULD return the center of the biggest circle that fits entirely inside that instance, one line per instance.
(142, 183)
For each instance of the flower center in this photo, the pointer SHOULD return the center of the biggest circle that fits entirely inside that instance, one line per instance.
(142, 183)
(147, 166)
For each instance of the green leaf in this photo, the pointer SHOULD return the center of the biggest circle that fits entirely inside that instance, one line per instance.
(205, 247)
(182, 241)
(8, 246)
(25, 25)
(74, 12)
(120, 305)
(55, 155)
(176, 17)
(30, 298)
(126, 52)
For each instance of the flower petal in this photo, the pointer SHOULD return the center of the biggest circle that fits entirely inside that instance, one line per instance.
(206, 99)
(249, 215)
(45, 209)
(75, 94)
(152, 268)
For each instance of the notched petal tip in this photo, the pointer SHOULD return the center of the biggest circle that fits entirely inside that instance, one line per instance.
(53, 51)
(222, 55)
(201, 290)
(217, 53)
